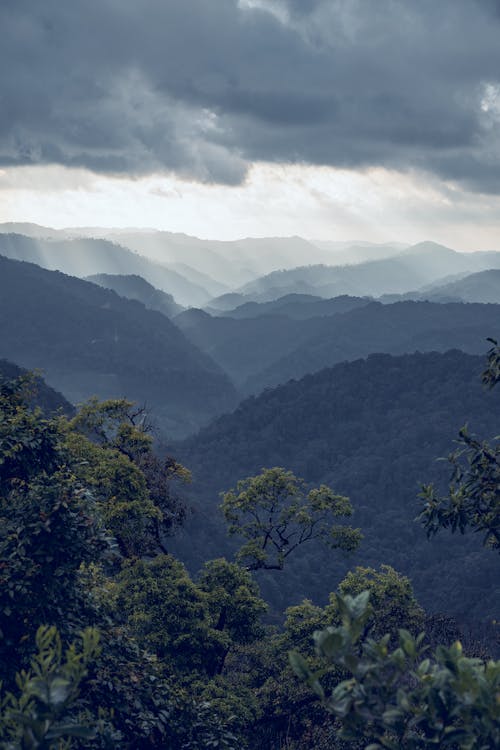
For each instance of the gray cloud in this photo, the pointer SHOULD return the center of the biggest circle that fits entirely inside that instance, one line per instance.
(204, 88)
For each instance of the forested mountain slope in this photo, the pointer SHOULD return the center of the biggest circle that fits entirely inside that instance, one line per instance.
(135, 287)
(89, 341)
(270, 349)
(371, 429)
(245, 347)
(397, 329)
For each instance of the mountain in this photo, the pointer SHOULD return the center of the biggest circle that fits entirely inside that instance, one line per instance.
(85, 257)
(44, 397)
(244, 347)
(212, 286)
(412, 268)
(403, 327)
(270, 349)
(344, 253)
(89, 341)
(135, 287)
(214, 264)
(483, 286)
(225, 303)
(297, 306)
(372, 429)
(231, 263)
(31, 230)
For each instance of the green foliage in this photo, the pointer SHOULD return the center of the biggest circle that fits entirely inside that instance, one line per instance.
(391, 596)
(48, 528)
(113, 453)
(233, 600)
(491, 375)
(473, 499)
(164, 609)
(41, 715)
(276, 514)
(190, 626)
(401, 699)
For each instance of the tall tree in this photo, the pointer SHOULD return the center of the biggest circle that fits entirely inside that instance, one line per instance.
(276, 513)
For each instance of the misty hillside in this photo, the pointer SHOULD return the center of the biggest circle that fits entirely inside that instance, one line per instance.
(402, 327)
(371, 429)
(213, 264)
(263, 351)
(231, 263)
(244, 347)
(89, 341)
(412, 268)
(85, 257)
(483, 286)
(344, 253)
(135, 287)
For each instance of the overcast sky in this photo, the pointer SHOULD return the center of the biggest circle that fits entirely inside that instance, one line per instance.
(365, 119)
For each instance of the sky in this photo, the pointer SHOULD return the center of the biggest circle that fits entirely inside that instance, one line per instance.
(332, 119)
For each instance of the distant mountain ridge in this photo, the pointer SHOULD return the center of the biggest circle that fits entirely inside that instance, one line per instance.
(408, 270)
(483, 286)
(201, 273)
(85, 257)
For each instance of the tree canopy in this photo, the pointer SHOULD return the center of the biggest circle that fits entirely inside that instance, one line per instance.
(276, 514)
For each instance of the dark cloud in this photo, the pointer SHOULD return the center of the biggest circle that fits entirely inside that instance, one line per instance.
(204, 88)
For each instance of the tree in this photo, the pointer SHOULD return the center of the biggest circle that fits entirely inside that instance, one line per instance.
(393, 602)
(234, 606)
(401, 699)
(276, 513)
(135, 490)
(473, 499)
(48, 528)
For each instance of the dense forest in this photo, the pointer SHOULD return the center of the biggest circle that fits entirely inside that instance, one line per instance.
(162, 658)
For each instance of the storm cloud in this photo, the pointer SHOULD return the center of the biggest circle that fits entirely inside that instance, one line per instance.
(204, 88)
